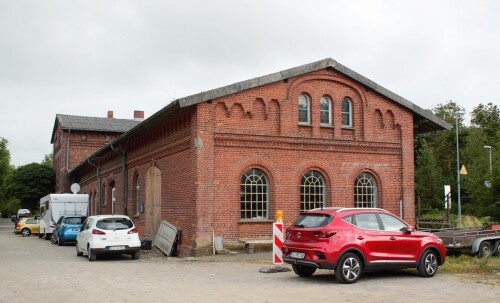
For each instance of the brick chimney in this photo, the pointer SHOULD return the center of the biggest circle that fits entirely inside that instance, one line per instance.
(138, 115)
(110, 114)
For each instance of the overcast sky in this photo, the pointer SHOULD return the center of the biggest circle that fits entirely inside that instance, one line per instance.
(88, 57)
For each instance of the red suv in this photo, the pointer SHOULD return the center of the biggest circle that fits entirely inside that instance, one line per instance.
(352, 240)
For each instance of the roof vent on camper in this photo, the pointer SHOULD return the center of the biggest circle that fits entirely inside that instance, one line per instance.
(75, 188)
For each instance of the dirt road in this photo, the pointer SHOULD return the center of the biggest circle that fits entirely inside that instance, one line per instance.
(34, 270)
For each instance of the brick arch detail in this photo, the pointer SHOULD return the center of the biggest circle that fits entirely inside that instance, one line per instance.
(296, 83)
(257, 162)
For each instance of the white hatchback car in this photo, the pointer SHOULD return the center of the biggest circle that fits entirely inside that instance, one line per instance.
(108, 234)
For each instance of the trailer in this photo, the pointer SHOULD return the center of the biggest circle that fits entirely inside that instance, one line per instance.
(484, 242)
(53, 206)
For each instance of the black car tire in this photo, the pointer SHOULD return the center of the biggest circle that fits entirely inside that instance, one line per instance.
(348, 269)
(496, 249)
(136, 255)
(92, 256)
(485, 250)
(428, 264)
(40, 235)
(53, 239)
(25, 232)
(47, 236)
(60, 242)
(303, 271)
(78, 252)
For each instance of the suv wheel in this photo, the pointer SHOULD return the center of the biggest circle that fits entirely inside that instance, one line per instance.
(348, 268)
(53, 239)
(428, 264)
(78, 252)
(136, 255)
(303, 271)
(92, 256)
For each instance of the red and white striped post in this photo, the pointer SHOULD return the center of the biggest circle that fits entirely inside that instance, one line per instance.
(278, 239)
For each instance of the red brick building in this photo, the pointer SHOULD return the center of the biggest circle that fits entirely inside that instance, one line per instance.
(224, 161)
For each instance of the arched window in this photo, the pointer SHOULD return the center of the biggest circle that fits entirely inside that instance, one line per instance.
(104, 196)
(135, 202)
(312, 191)
(254, 195)
(346, 112)
(304, 109)
(325, 111)
(365, 191)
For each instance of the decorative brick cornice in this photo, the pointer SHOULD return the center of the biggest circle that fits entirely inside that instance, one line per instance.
(305, 144)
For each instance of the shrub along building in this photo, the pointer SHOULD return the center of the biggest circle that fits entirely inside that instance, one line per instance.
(224, 161)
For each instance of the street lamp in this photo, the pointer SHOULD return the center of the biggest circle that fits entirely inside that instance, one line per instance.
(457, 114)
(491, 163)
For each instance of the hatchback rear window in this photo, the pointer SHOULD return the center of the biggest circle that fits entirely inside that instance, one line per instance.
(312, 220)
(74, 220)
(114, 224)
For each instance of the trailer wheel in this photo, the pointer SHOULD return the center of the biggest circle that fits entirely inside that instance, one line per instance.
(496, 249)
(484, 250)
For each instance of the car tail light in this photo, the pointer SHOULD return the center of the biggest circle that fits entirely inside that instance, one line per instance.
(18, 225)
(52, 226)
(324, 233)
(98, 232)
(132, 231)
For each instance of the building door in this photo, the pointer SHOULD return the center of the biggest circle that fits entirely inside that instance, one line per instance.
(152, 207)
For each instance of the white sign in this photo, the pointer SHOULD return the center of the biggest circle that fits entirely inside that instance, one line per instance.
(447, 197)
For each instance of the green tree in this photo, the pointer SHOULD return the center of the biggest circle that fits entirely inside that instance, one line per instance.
(48, 160)
(428, 179)
(5, 168)
(29, 183)
(487, 117)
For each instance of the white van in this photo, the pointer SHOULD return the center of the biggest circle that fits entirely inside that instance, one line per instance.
(53, 206)
(22, 213)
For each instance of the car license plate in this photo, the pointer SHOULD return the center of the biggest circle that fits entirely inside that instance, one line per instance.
(116, 247)
(297, 255)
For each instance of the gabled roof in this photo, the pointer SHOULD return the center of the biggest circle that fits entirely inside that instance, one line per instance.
(93, 124)
(424, 120)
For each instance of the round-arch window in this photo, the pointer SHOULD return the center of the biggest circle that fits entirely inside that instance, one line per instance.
(312, 191)
(365, 191)
(304, 109)
(254, 195)
(326, 111)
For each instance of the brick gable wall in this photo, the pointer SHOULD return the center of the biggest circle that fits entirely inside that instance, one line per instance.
(203, 150)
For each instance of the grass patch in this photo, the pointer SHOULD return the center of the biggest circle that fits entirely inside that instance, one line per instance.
(468, 264)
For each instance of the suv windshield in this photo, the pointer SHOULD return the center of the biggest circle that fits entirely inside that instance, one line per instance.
(312, 220)
(114, 224)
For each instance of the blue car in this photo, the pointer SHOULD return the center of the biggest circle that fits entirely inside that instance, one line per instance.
(67, 228)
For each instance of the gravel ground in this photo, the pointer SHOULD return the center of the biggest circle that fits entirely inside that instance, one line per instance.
(32, 269)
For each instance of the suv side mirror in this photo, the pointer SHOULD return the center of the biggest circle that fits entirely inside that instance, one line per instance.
(410, 229)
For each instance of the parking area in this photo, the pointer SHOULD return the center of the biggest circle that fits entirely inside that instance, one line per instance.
(32, 269)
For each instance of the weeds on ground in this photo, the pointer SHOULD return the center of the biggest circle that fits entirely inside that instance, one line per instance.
(469, 264)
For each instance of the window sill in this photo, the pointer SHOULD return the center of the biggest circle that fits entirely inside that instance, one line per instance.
(136, 215)
(348, 127)
(326, 126)
(244, 221)
(305, 124)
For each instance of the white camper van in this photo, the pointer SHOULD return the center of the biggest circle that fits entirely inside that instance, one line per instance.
(52, 206)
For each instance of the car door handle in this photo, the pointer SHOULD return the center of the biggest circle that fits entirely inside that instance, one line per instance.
(360, 237)
(392, 238)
